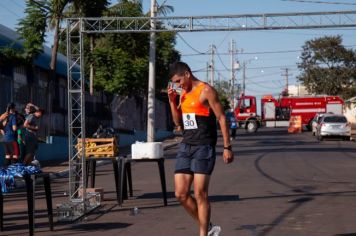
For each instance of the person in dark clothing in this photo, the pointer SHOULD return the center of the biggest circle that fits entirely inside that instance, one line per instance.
(11, 147)
(232, 124)
(31, 143)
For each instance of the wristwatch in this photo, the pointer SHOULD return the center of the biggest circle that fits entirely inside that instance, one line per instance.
(228, 148)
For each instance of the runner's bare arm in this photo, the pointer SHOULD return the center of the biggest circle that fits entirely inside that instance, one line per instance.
(212, 97)
(4, 116)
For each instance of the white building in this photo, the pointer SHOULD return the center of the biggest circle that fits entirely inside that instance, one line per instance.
(297, 90)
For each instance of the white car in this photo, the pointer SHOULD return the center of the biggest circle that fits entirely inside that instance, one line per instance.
(332, 125)
(315, 121)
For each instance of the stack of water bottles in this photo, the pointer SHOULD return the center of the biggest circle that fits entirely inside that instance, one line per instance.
(7, 175)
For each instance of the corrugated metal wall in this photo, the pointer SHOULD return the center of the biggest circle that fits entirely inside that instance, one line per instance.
(6, 91)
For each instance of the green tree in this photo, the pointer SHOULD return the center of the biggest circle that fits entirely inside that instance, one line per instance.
(223, 88)
(327, 67)
(11, 57)
(129, 52)
(32, 30)
(48, 14)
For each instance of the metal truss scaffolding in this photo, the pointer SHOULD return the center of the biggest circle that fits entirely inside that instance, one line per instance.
(270, 21)
(77, 28)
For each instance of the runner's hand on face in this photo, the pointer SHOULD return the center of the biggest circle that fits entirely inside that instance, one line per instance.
(172, 93)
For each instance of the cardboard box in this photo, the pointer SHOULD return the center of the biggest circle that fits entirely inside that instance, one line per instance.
(94, 190)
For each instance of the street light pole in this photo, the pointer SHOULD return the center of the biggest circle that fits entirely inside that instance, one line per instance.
(232, 54)
(151, 79)
(212, 71)
(244, 73)
(243, 77)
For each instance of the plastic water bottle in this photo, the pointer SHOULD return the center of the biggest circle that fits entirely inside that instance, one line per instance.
(135, 211)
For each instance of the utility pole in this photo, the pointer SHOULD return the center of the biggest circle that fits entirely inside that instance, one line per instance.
(219, 80)
(286, 74)
(207, 72)
(243, 77)
(232, 52)
(212, 48)
(151, 78)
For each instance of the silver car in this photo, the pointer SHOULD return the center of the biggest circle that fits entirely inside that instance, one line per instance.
(333, 126)
(315, 121)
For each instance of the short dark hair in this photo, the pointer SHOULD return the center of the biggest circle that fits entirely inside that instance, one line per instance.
(32, 109)
(178, 68)
(10, 106)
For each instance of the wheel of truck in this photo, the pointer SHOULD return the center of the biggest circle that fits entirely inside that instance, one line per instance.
(251, 126)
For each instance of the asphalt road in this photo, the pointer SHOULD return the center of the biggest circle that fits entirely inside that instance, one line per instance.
(279, 184)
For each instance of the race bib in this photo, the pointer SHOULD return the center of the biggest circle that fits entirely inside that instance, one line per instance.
(189, 121)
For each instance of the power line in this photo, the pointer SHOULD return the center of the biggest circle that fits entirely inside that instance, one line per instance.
(261, 76)
(195, 50)
(262, 52)
(16, 3)
(199, 70)
(221, 59)
(320, 2)
(264, 85)
(228, 33)
(249, 53)
(14, 13)
(269, 67)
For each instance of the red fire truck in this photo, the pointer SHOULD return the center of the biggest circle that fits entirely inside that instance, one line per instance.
(274, 110)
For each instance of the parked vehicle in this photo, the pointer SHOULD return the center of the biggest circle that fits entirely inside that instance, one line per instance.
(275, 110)
(315, 121)
(331, 125)
(246, 113)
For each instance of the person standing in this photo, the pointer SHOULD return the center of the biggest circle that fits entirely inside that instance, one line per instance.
(31, 141)
(21, 130)
(232, 124)
(10, 136)
(197, 112)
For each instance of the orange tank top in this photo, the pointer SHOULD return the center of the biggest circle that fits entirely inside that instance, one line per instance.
(190, 102)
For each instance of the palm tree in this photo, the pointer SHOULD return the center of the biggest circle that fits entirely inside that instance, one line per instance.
(54, 11)
(162, 9)
(85, 8)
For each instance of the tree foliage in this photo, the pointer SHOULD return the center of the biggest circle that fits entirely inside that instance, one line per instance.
(116, 71)
(328, 67)
(87, 8)
(224, 90)
(121, 60)
(32, 29)
(11, 57)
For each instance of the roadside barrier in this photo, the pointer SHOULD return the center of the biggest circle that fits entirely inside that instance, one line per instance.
(295, 125)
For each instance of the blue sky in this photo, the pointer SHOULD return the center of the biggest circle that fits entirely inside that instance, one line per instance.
(264, 75)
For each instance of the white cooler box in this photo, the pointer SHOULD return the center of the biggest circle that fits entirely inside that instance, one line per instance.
(151, 150)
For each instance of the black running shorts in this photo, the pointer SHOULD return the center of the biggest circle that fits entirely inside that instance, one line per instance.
(195, 159)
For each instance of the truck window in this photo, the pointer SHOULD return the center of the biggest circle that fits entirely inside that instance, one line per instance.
(247, 103)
